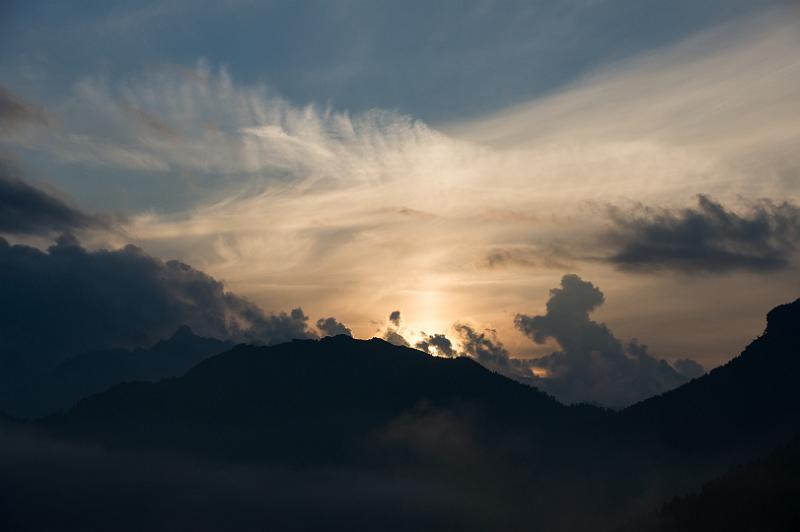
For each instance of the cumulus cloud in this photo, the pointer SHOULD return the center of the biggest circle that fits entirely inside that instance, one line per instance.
(248, 323)
(29, 210)
(483, 346)
(393, 334)
(706, 238)
(489, 351)
(332, 327)
(592, 364)
(68, 299)
(394, 337)
(297, 191)
(437, 344)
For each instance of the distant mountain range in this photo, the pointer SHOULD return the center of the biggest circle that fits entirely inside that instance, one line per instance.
(352, 434)
(35, 393)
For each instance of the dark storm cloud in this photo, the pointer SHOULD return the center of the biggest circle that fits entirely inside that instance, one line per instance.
(593, 365)
(26, 209)
(14, 111)
(436, 343)
(394, 318)
(332, 327)
(705, 238)
(248, 323)
(70, 299)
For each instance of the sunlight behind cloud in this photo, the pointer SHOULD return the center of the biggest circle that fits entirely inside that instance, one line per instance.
(406, 201)
(347, 213)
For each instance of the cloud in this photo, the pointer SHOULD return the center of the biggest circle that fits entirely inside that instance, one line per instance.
(436, 344)
(392, 333)
(50, 484)
(29, 210)
(485, 347)
(270, 194)
(705, 238)
(482, 346)
(69, 299)
(206, 124)
(308, 172)
(505, 258)
(592, 364)
(332, 327)
(248, 323)
(16, 112)
(394, 337)
(439, 434)
(725, 94)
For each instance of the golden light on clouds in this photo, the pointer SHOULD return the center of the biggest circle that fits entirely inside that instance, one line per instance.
(353, 215)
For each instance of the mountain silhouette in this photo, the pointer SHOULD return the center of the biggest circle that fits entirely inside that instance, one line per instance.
(761, 495)
(35, 393)
(364, 435)
(397, 438)
(748, 404)
(316, 401)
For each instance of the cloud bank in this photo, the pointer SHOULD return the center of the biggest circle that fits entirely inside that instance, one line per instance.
(436, 344)
(361, 211)
(29, 210)
(592, 364)
(69, 299)
(332, 327)
(705, 238)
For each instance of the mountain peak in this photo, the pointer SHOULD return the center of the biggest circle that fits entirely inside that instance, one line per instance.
(783, 319)
(184, 339)
(184, 331)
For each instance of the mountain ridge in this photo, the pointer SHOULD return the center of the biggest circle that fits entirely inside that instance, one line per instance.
(37, 393)
(491, 451)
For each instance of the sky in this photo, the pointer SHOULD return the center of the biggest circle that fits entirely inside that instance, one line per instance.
(469, 164)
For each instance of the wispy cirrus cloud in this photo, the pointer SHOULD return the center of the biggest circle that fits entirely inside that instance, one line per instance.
(353, 212)
(206, 123)
(15, 112)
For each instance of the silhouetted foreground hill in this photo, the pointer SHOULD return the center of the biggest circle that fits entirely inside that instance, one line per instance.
(36, 393)
(761, 496)
(750, 403)
(363, 435)
(329, 434)
(307, 401)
